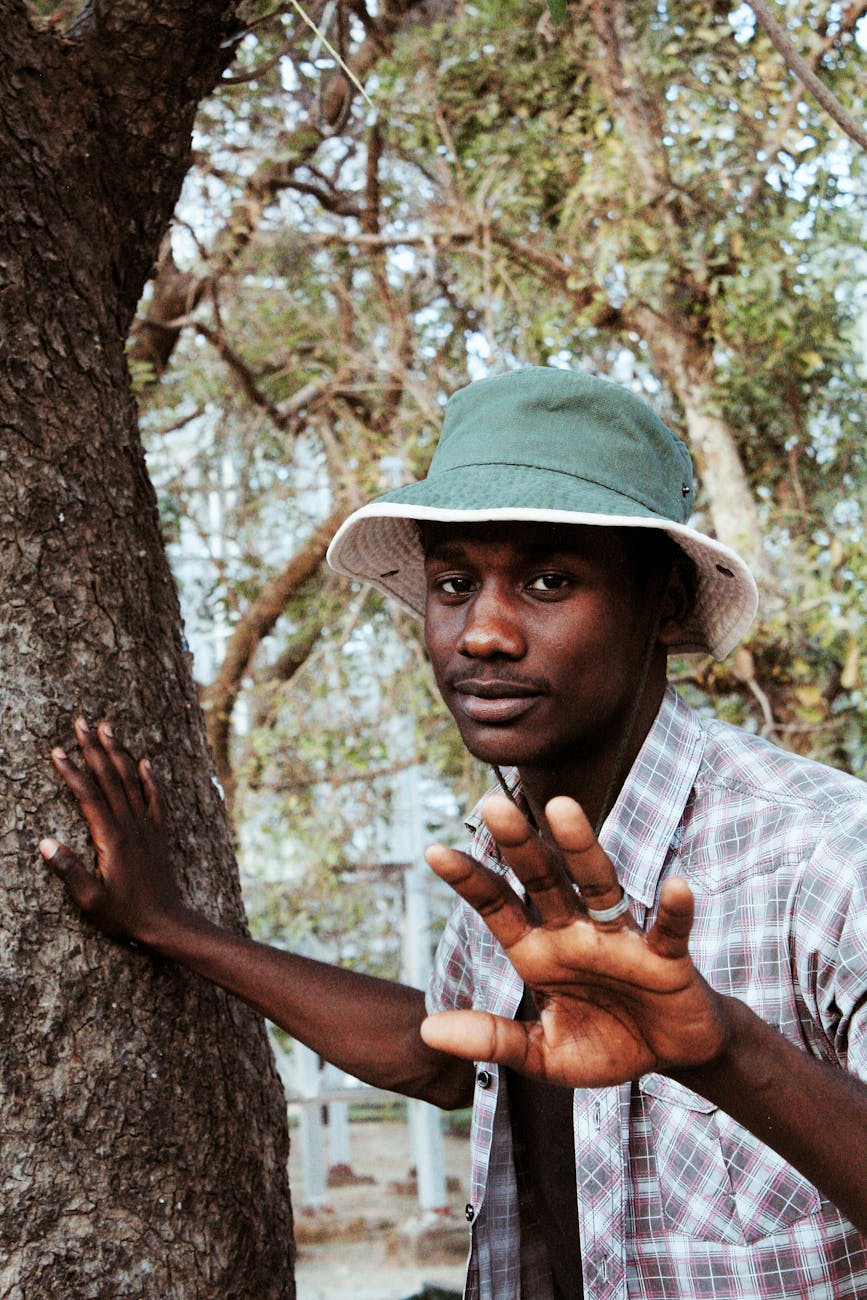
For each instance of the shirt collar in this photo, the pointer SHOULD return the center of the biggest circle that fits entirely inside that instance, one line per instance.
(646, 818)
(647, 814)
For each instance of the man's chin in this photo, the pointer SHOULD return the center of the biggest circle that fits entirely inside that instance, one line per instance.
(501, 746)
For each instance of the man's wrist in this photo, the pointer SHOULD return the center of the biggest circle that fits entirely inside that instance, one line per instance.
(739, 1060)
(169, 933)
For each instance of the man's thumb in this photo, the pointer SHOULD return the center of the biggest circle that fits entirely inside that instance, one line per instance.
(57, 855)
(68, 866)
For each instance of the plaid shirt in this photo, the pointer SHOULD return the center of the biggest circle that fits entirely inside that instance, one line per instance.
(676, 1200)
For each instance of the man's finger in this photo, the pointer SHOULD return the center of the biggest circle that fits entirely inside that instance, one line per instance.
(102, 769)
(586, 861)
(669, 935)
(478, 1036)
(82, 885)
(93, 805)
(124, 767)
(152, 796)
(539, 871)
(498, 905)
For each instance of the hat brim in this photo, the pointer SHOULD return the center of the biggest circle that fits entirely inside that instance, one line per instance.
(381, 544)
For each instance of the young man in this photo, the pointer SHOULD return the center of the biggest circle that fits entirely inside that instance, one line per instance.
(696, 974)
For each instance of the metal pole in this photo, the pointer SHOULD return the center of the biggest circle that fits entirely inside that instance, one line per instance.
(424, 1120)
(310, 1126)
(408, 841)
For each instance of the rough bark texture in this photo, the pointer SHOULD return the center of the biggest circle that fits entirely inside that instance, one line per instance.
(144, 1139)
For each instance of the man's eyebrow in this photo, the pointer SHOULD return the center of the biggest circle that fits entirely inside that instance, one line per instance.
(453, 550)
(444, 550)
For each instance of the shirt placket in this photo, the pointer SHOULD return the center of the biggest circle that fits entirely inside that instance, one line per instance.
(599, 1166)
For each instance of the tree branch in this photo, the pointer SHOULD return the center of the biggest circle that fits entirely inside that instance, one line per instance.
(218, 700)
(298, 146)
(255, 74)
(286, 416)
(637, 112)
(175, 294)
(771, 146)
(331, 200)
(798, 65)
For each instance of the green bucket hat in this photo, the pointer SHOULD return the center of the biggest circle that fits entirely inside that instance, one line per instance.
(553, 446)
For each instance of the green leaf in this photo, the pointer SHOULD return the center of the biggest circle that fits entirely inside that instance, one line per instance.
(557, 10)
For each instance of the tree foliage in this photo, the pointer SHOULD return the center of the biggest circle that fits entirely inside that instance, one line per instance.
(641, 190)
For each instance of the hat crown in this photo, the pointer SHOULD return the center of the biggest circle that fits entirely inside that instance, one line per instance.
(560, 422)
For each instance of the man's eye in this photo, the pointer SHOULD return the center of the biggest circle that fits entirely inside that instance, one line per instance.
(455, 586)
(548, 582)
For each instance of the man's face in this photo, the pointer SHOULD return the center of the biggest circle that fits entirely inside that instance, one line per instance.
(536, 634)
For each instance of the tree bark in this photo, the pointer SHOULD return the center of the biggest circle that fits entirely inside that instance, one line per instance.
(144, 1128)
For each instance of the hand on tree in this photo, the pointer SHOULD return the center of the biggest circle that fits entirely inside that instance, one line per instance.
(130, 891)
(614, 1003)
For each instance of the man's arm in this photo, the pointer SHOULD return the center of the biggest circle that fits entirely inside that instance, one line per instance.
(368, 1027)
(616, 1004)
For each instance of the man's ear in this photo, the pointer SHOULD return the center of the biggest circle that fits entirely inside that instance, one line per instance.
(678, 600)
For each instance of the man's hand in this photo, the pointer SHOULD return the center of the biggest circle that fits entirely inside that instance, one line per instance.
(130, 892)
(614, 1003)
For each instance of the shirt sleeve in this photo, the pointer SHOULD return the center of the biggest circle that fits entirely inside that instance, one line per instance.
(830, 940)
(450, 987)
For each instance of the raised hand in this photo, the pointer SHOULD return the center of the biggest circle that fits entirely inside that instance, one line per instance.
(614, 1003)
(130, 892)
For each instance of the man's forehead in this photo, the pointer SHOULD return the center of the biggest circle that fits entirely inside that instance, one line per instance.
(526, 535)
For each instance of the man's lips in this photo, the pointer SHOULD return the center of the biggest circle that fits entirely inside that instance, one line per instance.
(495, 701)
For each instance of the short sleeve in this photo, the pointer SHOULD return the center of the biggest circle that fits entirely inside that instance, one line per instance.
(829, 945)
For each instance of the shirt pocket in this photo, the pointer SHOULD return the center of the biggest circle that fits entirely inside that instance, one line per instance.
(716, 1181)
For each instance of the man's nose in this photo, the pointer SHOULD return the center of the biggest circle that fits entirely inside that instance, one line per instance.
(492, 627)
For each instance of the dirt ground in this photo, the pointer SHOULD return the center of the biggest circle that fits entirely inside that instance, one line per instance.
(371, 1242)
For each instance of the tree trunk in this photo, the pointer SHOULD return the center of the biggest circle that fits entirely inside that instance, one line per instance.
(684, 360)
(679, 350)
(143, 1124)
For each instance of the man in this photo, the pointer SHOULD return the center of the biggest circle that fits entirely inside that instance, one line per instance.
(696, 974)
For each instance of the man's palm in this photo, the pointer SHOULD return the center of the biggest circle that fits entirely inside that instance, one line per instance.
(614, 1003)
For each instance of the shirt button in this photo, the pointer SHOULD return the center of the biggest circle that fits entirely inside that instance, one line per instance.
(483, 1078)
(469, 1213)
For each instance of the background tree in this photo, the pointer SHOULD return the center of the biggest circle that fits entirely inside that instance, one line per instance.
(642, 190)
(655, 178)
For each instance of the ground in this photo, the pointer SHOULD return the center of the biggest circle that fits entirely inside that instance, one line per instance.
(371, 1243)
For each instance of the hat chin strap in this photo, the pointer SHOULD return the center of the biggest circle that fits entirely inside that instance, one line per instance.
(617, 772)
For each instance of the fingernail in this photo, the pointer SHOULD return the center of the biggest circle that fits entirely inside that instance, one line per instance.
(146, 766)
(57, 752)
(107, 731)
(81, 724)
(48, 847)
